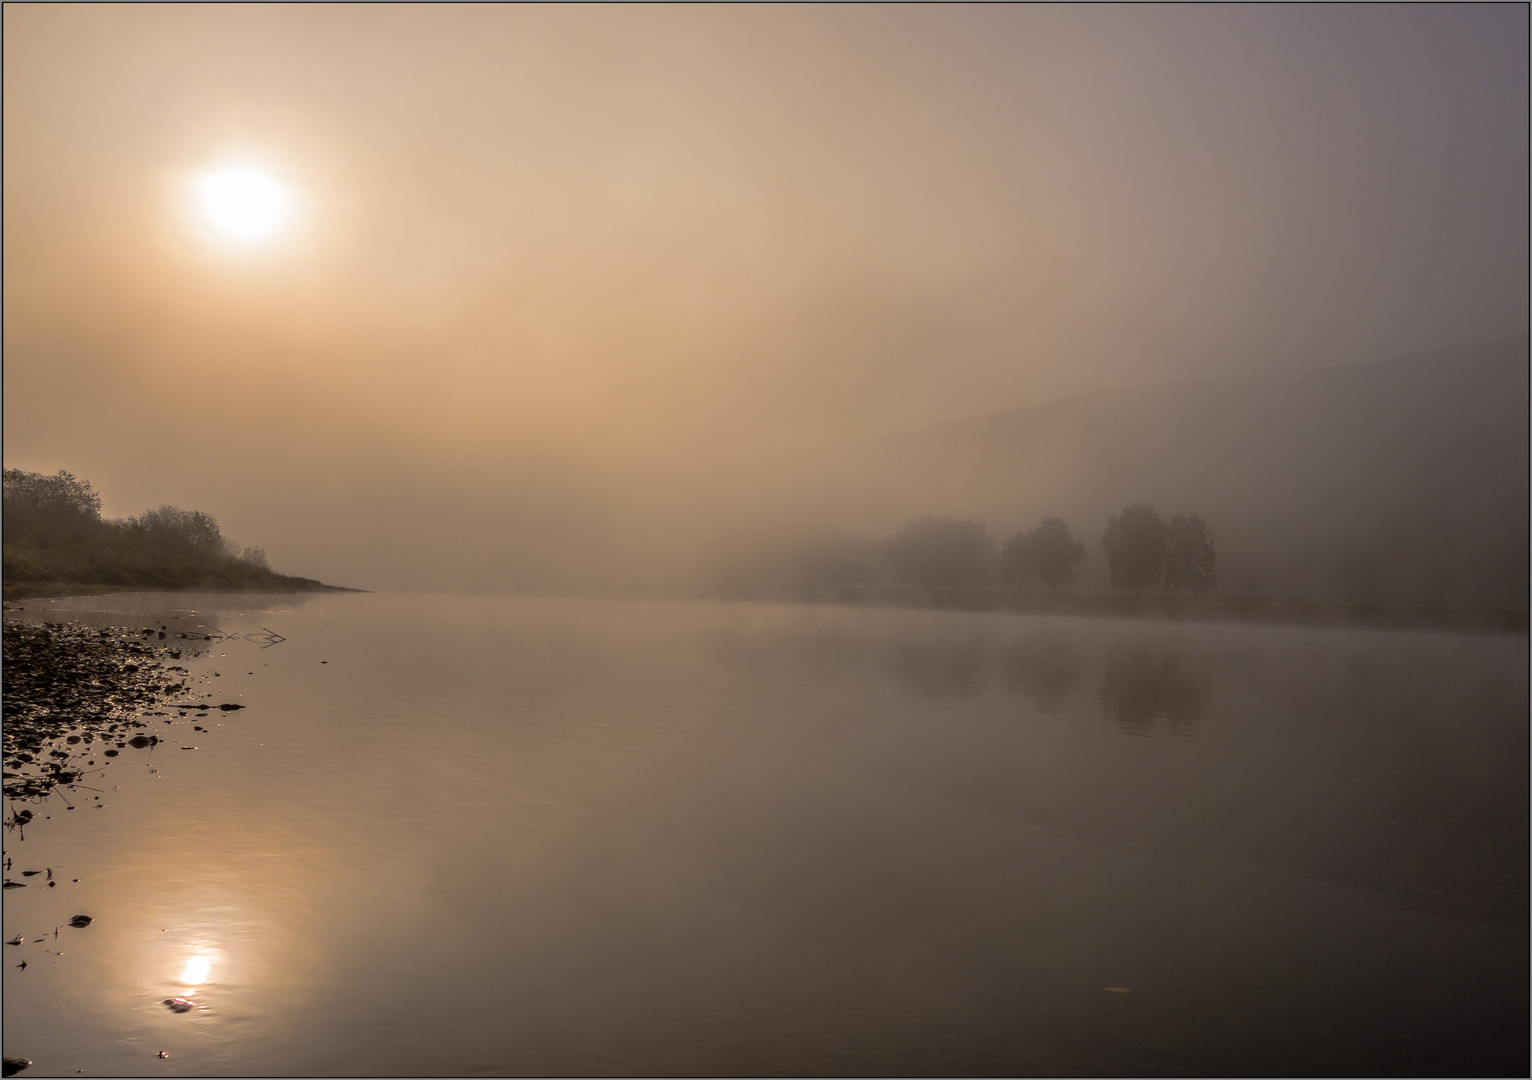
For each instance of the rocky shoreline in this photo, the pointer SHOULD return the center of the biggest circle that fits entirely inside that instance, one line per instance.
(78, 696)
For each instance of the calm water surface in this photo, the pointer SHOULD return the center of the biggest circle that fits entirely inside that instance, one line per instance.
(465, 835)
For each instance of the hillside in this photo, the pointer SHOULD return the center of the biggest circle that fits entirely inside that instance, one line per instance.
(1399, 481)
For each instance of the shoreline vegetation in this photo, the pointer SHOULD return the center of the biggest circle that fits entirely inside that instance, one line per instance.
(58, 544)
(1246, 609)
(276, 583)
(1156, 569)
(1242, 609)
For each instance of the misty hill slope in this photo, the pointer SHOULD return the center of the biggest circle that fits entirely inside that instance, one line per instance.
(1405, 480)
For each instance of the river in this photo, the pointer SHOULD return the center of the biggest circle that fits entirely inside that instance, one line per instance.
(457, 835)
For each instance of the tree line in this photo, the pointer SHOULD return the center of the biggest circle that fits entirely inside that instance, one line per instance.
(1143, 551)
(54, 531)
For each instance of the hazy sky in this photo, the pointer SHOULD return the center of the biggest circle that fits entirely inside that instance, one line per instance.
(559, 279)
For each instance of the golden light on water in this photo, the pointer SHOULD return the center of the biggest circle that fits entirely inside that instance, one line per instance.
(242, 204)
(197, 969)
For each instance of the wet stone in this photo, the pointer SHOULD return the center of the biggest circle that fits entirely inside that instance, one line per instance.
(65, 684)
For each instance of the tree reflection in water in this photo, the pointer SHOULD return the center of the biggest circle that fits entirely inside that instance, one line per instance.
(943, 669)
(1042, 668)
(1141, 685)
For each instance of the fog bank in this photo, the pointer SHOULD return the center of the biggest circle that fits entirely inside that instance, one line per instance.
(574, 292)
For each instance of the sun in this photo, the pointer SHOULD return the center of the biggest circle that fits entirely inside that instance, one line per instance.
(241, 204)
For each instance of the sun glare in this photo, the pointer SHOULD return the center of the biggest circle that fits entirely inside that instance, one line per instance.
(197, 970)
(242, 204)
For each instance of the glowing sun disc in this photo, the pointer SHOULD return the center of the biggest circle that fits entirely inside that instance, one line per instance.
(242, 203)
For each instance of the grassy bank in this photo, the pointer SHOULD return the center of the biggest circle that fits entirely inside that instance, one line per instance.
(39, 571)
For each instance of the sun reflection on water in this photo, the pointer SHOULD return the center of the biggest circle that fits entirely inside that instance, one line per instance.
(197, 969)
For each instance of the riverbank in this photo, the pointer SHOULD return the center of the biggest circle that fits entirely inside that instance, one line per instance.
(80, 698)
(1174, 606)
(29, 590)
(75, 695)
(57, 544)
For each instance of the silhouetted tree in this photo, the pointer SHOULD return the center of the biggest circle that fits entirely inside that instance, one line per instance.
(1136, 543)
(1048, 553)
(251, 556)
(1189, 557)
(940, 553)
(43, 492)
(50, 509)
(54, 533)
(173, 532)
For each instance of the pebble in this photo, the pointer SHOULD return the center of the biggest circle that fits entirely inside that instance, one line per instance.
(66, 685)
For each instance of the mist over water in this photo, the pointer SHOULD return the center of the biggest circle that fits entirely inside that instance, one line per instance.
(635, 355)
(455, 835)
(570, 294)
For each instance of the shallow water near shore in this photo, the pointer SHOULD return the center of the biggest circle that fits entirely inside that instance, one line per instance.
(472, 835)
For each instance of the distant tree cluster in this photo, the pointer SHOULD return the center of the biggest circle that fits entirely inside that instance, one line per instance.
(1049, 553)
(948, 553)
(938, 554)
(1142, 551)
(54, 532)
